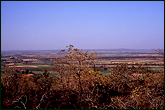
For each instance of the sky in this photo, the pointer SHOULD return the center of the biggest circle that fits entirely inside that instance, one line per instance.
(52, 25)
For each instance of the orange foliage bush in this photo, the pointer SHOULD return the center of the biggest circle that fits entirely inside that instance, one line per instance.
(81, 86)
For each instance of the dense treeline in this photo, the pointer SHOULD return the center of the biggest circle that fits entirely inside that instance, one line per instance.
(82, 86)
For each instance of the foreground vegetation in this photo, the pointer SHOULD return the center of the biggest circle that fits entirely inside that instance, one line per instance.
(80, 85)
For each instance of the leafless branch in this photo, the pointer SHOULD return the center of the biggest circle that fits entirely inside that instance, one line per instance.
(42, 98)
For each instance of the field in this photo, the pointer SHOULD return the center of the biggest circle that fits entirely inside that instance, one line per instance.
(38, 61)
(112, 79)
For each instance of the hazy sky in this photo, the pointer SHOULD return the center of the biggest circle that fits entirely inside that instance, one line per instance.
(49, 25)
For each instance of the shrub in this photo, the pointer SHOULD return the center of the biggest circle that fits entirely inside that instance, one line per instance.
(81, 86)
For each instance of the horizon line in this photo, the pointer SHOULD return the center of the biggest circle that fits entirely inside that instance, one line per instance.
(84, 49)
